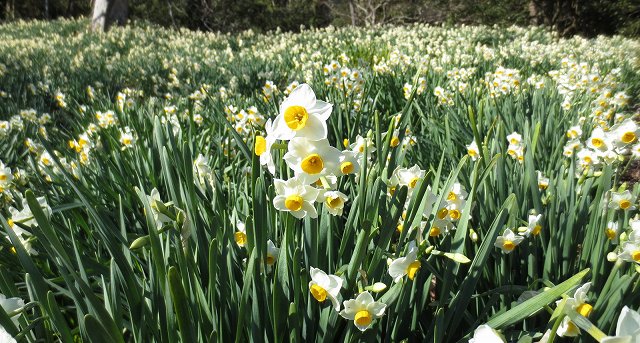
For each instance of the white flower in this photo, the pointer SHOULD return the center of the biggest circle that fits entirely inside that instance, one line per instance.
(625, 133)
(630, 252)
(311, 160)
(543, 182)
(599, 141)
(301, 115)
(485, 334)
(407, 265)
(334, 200)
(578, 303)
(322, 286)
(127, 139)
(272, 253)
(574, 132)
(5, 176)
(349, 163)
(295, 197)
(362, 310)
(473, 151)
(408, 176)
(5, 337)
(508, 241)
(622, 200)
(10, 305)
(628, 328)
(263, 148)
(240, 236)
(156, 205)
(533, 226)
(514, 138)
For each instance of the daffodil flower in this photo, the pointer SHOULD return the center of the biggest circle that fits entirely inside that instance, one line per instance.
(362, 310)
(407, 265)
(240, 236)
(627, 329)
(334, 201)
(533, 227)
(578, 303)
(295, 197)
(622, 201)
(323, 286)
(486, 334)
(508, 241)
(263, 147)
(272, 253)
(473, 150)
(311, 160)
(301, 115)
(10, 305)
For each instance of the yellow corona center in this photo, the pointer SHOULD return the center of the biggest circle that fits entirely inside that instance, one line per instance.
(584, 310)
(624, 204)
(536, 230)
(508, 245)
(260, 146)
(312, 164)
(587, 160)
(454, 214)
(442, 213)
(3, 177)
(296, 117)
(413, 182)
(597, 142)
(451, 196)
(318, 292)
(636, 255)
(435, 231)
(400, 227)
(543, 186)
(13, 250)
(395, 141)
(241, 238)
(628, 137)
(126, 141)
(413, 269)
(270, 260)
(472, 153)
(345, 142)
(363, 318)
(334, 202)
(293, 202)
(347, 167)
(11, 223)
(611, 234)
(392, 190)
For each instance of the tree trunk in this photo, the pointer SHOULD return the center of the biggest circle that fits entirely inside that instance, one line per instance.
(352, 12)
(109, 12)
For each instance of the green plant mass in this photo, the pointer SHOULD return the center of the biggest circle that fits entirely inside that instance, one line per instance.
(384, 183)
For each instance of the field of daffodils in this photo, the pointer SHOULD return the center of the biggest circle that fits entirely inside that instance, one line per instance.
(417, 183)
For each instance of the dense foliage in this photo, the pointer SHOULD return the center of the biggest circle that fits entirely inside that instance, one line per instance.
(455, 177)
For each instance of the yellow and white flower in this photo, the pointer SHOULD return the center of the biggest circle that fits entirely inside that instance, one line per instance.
(533, 226)
(127, 138)
(302, 115)
(514, 138)
(508, 241)
(334, 201)
(240, 236)
(263, 148)
(625, 133)
(578, 303)
(473, 150)
(407, 265)
(272, 253)
(323, 286)
(311, 160)
(349, 163)
(622, 200)
(5, 176)
(295, 197)
(363, 310)
(407, 176)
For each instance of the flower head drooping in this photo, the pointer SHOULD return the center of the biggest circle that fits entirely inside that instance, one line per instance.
(301, 115)
(407, 265)
(323, 286)
(363, 310)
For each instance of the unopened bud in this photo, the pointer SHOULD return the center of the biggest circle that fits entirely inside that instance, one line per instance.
(612, 257)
